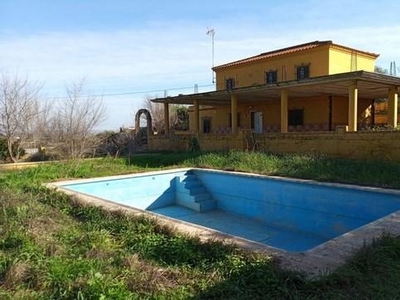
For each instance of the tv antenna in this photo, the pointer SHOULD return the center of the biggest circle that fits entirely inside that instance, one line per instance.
(211, 32)
(393, 68)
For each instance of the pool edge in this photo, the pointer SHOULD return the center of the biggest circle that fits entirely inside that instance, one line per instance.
(320, 260)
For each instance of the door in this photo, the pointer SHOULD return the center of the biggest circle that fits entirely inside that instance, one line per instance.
(258, 122)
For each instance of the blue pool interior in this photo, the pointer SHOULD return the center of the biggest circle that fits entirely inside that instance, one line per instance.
(287, 214)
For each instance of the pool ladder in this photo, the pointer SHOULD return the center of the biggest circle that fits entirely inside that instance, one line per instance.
(191, 193)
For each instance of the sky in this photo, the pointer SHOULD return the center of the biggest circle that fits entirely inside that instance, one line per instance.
(128, 51)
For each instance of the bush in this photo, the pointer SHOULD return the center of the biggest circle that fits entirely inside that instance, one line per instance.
(4, 155)
(194, 145)
(3, 149)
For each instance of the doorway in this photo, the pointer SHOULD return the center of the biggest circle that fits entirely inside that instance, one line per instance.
(257, 121)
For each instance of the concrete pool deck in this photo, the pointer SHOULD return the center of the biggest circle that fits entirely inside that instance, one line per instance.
(230, 229)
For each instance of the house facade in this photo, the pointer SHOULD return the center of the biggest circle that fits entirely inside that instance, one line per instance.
(314, 87)
(319, 112)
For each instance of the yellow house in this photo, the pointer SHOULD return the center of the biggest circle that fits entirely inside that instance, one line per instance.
(313, 87)
(294, 64)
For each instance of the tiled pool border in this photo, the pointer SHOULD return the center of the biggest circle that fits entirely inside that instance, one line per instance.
(317, 261)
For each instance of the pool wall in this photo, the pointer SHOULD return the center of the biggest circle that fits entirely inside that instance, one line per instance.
(319, 260)
(326, 210)
(320, 209)
(147, 191)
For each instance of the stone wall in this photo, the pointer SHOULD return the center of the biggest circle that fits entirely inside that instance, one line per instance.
(207, 142)
(359, 145)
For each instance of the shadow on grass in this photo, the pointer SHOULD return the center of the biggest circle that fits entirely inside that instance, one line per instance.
(257, 281)
(372, 273)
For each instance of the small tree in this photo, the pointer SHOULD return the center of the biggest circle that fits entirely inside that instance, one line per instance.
(380, 70)
(73, 121)
(18, 102)
(181, 114)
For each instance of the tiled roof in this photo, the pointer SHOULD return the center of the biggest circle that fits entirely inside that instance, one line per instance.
(288, 50)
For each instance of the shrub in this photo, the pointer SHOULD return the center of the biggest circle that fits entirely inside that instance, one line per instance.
(4, 155)
(194, 145)
(3, 149)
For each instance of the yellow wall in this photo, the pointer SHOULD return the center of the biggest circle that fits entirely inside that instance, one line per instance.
(341, 61)
(381, 113)
(358, 145)
(254, 73)
(323, 60)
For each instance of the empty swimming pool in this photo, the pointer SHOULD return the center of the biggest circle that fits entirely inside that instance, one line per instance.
(288, 214)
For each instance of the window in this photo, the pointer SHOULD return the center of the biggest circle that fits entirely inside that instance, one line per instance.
(230, 120)
(296, 117)
(271, 77)
(206, 122)
(230, 84)
(303, 72)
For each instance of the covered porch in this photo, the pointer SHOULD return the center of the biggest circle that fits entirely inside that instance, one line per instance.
(351, 86)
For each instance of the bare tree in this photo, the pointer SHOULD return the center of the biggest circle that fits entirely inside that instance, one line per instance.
(18, 102)
(74, 119)
(42, 127)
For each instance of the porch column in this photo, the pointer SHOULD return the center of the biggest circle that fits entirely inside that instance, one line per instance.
(353, 100)
(234, 114)
(392, 107)
(196, 117)
(284, 110)
(166, 118)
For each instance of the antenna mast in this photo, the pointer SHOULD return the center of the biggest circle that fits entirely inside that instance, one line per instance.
(211, 32)
(393, 68)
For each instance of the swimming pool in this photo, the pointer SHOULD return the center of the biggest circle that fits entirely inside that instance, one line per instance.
(286, 214)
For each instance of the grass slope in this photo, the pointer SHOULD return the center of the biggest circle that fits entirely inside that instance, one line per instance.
(53, 248)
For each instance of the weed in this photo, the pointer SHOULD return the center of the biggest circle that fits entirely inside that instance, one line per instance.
(54, 248)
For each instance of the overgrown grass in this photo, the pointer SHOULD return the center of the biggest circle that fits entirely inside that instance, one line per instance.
(54, 248)
(320, 168)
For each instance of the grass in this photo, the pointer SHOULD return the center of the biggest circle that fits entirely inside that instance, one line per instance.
(54, 248)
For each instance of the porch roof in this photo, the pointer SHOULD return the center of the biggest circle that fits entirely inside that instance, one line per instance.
(370, 86)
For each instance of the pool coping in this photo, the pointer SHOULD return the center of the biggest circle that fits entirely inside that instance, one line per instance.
(320, 260)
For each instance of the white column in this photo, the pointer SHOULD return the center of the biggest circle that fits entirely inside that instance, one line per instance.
(353, 100)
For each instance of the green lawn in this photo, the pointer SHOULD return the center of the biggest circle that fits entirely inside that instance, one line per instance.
(54, 248)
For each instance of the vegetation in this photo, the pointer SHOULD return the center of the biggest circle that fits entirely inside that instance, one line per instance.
(54, 248)
(5, 153)
(18, 110)
(65, 125)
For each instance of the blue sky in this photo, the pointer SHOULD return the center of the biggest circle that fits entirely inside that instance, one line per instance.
(130, 50)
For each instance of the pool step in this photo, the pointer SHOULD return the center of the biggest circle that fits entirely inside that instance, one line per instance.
(191, 193)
